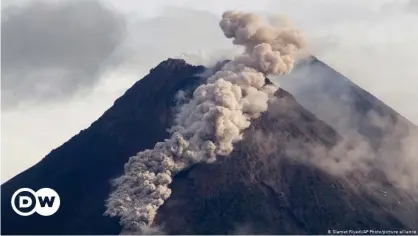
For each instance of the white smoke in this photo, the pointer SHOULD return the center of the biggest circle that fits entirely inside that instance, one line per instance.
(209, 58)
(210, 123)
(396, 157)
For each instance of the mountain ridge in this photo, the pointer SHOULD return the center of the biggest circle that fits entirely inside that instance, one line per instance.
(342, 95)
(81, 168)
(119, 133)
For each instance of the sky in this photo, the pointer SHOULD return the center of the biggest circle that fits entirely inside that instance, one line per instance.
(63, 62)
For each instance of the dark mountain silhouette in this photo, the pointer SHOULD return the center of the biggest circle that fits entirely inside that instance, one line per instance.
(258, 189)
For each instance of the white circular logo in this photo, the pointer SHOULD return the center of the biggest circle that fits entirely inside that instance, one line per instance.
(45, 201)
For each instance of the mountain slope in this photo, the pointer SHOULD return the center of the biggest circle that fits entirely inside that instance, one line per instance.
(342, 104)
(262, 190)
(81, 169)
(260, 186)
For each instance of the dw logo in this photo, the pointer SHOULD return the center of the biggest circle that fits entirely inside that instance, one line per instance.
(45, 201)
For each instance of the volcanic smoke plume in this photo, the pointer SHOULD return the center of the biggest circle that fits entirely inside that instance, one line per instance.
(209, 123)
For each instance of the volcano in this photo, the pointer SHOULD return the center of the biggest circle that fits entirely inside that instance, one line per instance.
(260, 188)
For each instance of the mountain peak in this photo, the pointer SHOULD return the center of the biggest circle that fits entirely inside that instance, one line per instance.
(258, 184)
(171, 64)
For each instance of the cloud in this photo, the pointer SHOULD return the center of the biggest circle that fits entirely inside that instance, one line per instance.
(25, 125)
(412, 6)
(396, 158)
(208, 125)
(338, 32)
(381, 31)
(29, 133)
(172, 32)
(374, 137)
(371, 143)
(51, 49)
(370, 42)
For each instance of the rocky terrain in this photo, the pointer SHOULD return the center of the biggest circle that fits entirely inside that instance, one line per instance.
(261, 188)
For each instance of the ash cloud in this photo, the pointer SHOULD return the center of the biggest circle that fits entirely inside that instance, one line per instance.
(50, 50)
(396, 157)
(207, 126)
(374, 137)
